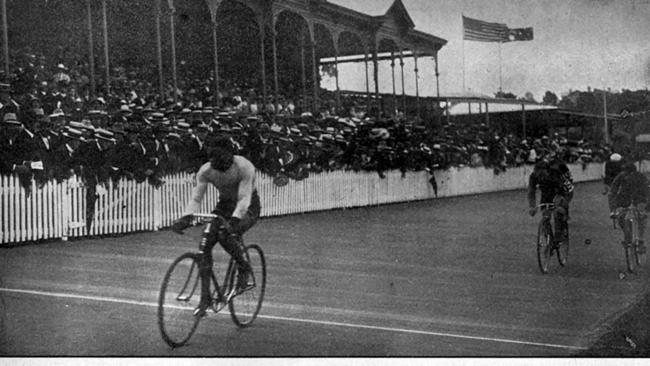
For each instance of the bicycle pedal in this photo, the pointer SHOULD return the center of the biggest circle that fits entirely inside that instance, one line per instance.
(200, 311)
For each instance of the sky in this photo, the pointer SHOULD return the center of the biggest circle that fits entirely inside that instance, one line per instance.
(577, 44)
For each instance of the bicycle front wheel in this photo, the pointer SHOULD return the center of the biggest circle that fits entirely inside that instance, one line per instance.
(544, 247)
(245, 306)
(639, 256)
(180, 295)
(631, 257)
(629, 245)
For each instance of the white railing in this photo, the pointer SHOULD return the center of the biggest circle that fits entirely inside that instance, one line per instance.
(58, 210)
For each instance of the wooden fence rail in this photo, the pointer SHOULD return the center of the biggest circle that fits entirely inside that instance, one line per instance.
(58, 209)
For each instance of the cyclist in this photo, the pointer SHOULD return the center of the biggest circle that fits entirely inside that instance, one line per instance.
(613, 167)
(234, 177)
(631, 188)
(553, 178)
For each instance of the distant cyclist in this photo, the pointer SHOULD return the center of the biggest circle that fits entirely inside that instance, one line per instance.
(631, 188)
(234, 177)
(613, 166)
(553, 178)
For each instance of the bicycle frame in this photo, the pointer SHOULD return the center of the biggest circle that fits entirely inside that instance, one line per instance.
(548, 212)
(225, 292)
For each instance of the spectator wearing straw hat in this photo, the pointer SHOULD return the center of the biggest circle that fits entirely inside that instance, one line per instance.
(17, 146)
(7, 103)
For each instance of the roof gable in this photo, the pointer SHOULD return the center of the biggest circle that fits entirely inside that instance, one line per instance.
(398, 12)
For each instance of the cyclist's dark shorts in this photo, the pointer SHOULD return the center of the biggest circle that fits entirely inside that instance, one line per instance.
(225, 208)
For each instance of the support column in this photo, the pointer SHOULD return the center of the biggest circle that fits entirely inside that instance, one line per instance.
(523, 119)
(159, 50)
(173, 45)
(91, 50)
(437, 74)
(315, 65)
(375, 62)
(276, 87)
(365, 60)
(216, 60)
(417, 85)
(107, 74)
(262, 104)
(487, 115)
(5, 37)
(401, 64)
(435, 59)
(338, 89)
(303, 73)
(392, 67)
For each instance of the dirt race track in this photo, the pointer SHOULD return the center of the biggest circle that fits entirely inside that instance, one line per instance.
(447, 277)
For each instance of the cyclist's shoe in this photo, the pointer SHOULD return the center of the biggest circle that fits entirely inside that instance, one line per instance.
(244, 281)
(202, 309)
(641, 249)
(612, 215)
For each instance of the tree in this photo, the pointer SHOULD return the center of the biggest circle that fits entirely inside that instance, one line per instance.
(505, 95)
(550, 98)
(529, 97)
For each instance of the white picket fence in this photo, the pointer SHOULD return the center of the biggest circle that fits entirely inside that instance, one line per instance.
(58, 210)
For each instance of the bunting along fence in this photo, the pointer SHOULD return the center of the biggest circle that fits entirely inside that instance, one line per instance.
(63, 209)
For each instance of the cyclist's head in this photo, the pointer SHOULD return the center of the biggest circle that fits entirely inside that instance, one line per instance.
(615, 157)
(221, 153)
(629, 168)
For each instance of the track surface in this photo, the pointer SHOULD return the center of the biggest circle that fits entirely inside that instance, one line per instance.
(448, 277)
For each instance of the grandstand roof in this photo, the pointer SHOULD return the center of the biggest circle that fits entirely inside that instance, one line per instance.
(475, 103)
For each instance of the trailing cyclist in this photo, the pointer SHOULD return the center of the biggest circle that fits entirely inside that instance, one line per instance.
(555, 183)
(630, 188)
(613, 167)
(234, 177)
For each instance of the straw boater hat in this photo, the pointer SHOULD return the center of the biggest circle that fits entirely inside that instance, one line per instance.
(10, 119)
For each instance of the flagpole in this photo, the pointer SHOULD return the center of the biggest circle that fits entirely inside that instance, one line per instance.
(500, 74)
(462, 50)
(605, 116)
(463, 53)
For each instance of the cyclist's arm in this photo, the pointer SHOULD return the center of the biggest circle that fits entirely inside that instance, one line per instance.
(245, 193)
(198, 191)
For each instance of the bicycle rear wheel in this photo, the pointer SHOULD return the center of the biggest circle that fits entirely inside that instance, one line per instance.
(245, 306)
(544, 247)
(180, 294)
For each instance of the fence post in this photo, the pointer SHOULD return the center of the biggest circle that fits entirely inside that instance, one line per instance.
(157, 208)
(66, 205)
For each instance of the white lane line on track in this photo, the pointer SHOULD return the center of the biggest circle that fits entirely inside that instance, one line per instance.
(321, 322)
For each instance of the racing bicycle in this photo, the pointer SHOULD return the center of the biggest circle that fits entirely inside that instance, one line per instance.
(546, 239)
(180, 292)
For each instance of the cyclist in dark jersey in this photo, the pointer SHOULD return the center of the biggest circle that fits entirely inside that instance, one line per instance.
(631, 188)
(554, 181)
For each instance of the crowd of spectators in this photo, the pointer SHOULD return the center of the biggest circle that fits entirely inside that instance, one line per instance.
(51, 127)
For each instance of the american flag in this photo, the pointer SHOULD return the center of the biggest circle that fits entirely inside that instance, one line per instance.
(478, 30)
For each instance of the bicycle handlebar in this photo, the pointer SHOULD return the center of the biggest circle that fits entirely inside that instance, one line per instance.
(546, 205)
(208, 216)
